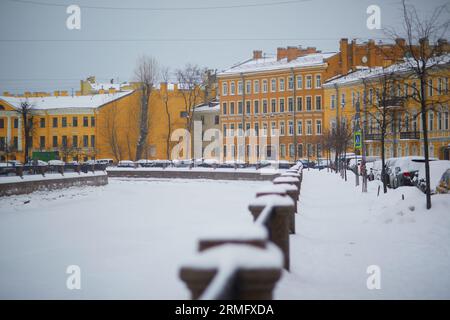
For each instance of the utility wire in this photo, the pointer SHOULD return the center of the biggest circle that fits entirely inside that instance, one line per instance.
(253, 5)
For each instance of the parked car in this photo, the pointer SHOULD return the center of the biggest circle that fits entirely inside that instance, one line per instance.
(6, 168)
(208, 163)
(161, 163)
(144, 163)
(401, 171)
(72, 163)
(56, 163)
(90, 162)
(306, 163)
(438, 172)
(108, 162)
(126, 164)
(15, 163)
(182, 163)
(36, 163)
(444, 183)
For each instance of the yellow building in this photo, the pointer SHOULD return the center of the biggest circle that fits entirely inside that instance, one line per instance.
(404, 136)
(283, 93)
(93, 126)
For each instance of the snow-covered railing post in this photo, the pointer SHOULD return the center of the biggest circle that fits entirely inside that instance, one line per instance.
(289, 180)
(233, 272)
(19, 171)
(282, 190)
(275, 212)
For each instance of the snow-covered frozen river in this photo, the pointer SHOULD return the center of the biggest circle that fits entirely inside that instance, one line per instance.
(128, 237)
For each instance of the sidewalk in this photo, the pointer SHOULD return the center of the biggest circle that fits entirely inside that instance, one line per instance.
(340, 232)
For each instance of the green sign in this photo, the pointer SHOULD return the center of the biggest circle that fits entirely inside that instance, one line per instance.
(357, 140)
(44, 155)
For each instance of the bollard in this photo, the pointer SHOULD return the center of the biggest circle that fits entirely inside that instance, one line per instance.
(77, 168)
(278, 223)
(289, 180)
(19, 171)
(61, 170)
(251, 275)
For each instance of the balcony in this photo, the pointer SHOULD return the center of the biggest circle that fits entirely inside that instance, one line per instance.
(372, 136)
(411, 135)
(395, 103)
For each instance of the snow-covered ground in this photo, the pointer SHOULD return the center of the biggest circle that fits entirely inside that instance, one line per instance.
(128, 237)
(340, 232)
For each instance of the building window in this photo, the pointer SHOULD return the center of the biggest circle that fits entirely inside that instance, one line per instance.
(224, 108)
(318, 102)
(318, 81)
(282, 150)
(256, 106)
(281, 84)
(247, 129)
(232, 129)
(232, 88)
(93, 141)
(16, 143)
(439, 120)
(240, 109)
(42, 142)
(281, 104)
(343, 100)
(299, 104)
(273, 104)
(216, 120)
(2, 123)
(308, 127)
(318, 127)
(273, 126)
(299, 127)
(42, 122)
(290, 104)
(224, 88)
(224, 130)
(75, 141)
(282, 128)
(264, 86)
(64, 122)
(248, 87)
(300, 150)
(85, 141)
(85, 121)
(299, 82)
(430, 121)
(308, 103)
(55, 142)
(264, 129)
(430, 87)
(248, 107)
(308, 82)
(291, 83)
(273, 85)
(291, 127)
(231, 107)
(256, 126)
(16, 123)
(92, 122)
(333, 101)
(446, 124)
(75, 122)
(240, 87)
(240, 129)
(264, 106)
(64, 141)
(256, 86)
(291, 150)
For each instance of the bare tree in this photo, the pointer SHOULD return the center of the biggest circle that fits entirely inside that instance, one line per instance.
(146, 75)
(190, 79)
(111, 131)
(26, 113)
(165, 76)
(383, 102)
(422, 60)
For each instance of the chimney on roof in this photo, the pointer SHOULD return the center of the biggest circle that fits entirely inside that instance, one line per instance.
(443, 46)
(281, 53)
(400, 42)
(257, 54)
(292, 53)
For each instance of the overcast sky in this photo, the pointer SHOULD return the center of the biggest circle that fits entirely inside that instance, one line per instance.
(55, 64)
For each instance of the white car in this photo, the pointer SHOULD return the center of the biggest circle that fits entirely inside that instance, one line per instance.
(56, 163)
(126, 164)
(105, 161)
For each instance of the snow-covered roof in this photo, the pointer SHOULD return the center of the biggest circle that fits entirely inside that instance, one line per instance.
(57, 102)
(371, 73)
(271, 63)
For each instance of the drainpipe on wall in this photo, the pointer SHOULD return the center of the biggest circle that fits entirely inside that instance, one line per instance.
(294, 113)
(243, 115)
